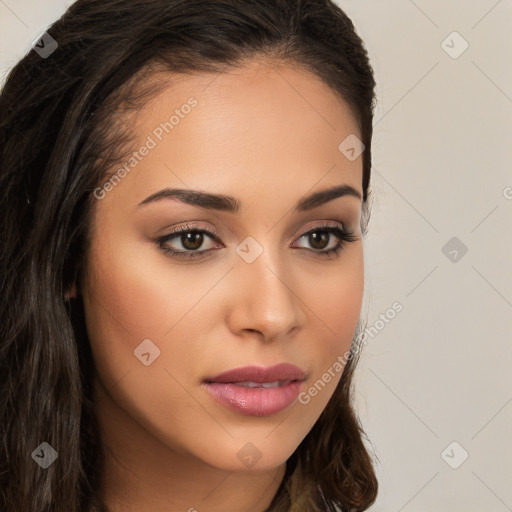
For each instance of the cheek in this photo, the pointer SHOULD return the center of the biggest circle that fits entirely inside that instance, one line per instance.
(137, 291)
(125, 296)
(121, 310)
(335, 301)
(133, 294)
(340, 303)
(337, 295)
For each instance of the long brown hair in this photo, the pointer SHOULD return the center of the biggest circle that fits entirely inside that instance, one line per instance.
(61, 128)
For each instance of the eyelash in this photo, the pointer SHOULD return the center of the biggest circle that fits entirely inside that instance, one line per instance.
(345, 238)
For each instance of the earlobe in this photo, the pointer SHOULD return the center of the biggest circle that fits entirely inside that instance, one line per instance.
(71, 294)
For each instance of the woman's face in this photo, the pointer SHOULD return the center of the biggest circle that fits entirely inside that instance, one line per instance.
(260, 292)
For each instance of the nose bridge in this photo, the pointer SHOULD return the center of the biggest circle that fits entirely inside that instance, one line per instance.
(266, 301)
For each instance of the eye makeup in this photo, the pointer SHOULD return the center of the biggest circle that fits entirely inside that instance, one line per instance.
(189, 234)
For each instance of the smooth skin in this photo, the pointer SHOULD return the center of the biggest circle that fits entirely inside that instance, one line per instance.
(268, 135)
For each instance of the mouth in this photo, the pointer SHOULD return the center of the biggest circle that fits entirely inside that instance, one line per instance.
(256, 390)
(258, 375)
(275, 384)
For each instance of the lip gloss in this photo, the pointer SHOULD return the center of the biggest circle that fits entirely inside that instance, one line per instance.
(255, 401)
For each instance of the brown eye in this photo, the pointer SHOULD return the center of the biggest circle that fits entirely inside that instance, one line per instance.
(320, 237)
(190, 239)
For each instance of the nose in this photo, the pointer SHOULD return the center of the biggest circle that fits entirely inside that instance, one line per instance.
(265, 300)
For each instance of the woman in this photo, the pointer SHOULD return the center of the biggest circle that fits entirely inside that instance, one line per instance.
(184, 195)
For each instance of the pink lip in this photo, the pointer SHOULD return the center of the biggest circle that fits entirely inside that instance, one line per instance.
(283, 371)
(257, 401)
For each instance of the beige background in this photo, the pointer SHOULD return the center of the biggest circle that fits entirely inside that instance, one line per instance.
(438, 371)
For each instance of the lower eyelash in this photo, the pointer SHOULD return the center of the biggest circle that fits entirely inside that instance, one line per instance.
(176, 233)
(345, 238)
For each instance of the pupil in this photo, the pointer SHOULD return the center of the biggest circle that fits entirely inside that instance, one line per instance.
(316, 237)
(185, 239)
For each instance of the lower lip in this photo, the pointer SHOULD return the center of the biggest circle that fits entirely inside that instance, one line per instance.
(254, 401)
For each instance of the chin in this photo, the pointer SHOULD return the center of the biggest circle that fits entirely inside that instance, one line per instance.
(245, 456)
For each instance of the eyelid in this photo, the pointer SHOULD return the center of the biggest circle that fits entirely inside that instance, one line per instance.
(344, 236)
(335, 228)
(323, 224)
(192, 227)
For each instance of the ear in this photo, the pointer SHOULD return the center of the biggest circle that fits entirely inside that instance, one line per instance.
(71, 294)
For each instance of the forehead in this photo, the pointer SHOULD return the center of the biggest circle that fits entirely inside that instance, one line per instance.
(287, 89)
(267, 125)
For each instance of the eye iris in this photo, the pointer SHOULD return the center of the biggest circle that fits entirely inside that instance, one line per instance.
(321, 237)
(195, 238)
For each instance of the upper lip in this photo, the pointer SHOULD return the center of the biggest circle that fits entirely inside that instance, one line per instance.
(260, 374)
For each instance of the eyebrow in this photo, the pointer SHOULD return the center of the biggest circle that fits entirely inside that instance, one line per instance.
(231, 205)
